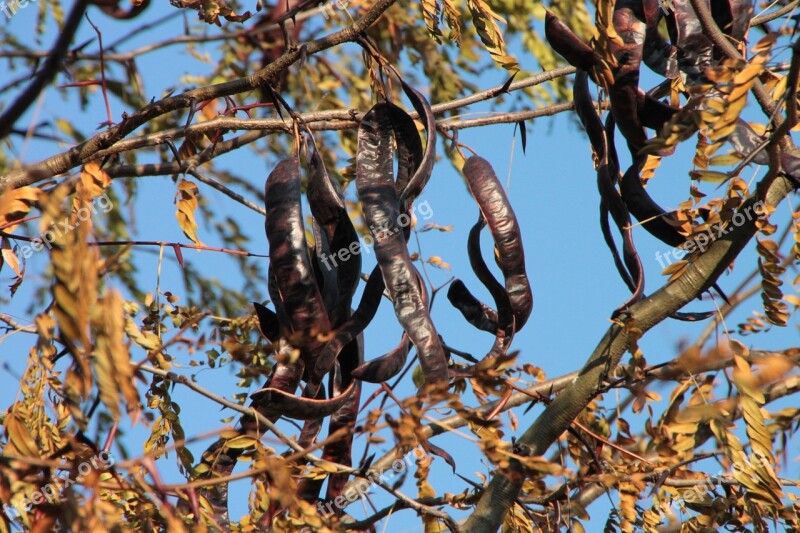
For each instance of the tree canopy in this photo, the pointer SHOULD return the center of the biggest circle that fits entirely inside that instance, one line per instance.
(382, 353)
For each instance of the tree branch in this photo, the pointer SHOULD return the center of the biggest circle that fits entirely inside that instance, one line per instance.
(48, 71)
(557, 417)
(88, 150)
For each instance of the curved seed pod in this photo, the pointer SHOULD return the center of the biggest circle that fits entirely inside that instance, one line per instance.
(653, 112)
(658, 54)
(610, 202)
(424, 170)
(695, 50)
(504, 331)
(323, 273)
(651, 215)
(325, 196)
(745, 140)
(291, 265)
(376, 190)
(387, 366)
(621, 217)
(624, 92)
(367, 307)
(509, 253)
(506, 319)
(408, 145)
(476, 312)
(326, 200)
(275, 402)
(341, 451)
(268, 322)
(568, 45)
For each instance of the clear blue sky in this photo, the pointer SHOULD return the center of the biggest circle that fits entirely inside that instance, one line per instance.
(552, 189)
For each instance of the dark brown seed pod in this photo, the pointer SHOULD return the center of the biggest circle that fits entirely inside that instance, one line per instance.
(376, 190)
(387, 366)
(695, 51)
(341, 451)
(363, 315)
(268, 322)
(289, 259)
(497, 212)
(610, 199)
(422, 171)
(275, 402)
(326, 201)
(476, 312)
(624, 92)
(568, 45)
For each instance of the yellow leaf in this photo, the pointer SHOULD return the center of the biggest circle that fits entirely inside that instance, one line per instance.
(15, 204)
(710, 176)
(8, 256)
(438, 263)
(724, 160)
(95, 180)
(187, 205)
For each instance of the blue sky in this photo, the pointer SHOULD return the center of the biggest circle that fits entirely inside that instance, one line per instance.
(554, 194)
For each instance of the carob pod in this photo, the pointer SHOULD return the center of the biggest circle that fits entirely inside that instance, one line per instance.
(568, 45)
(509, 254)
(476, 312)
(694, 50)
(323, 272)
(290, 261)
(628, 20)
(326, 200)
(423, 171)
(415, 166)
(288, 289)
(275, 402)
(504, 332)
(610, 200)
(376, 190)
(291, 270)
(363, 315)
(387, 366)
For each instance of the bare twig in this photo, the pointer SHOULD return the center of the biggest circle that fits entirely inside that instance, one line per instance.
(48, 71)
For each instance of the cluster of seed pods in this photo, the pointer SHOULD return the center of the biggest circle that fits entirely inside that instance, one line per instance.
(313, 296)
(688, 54)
